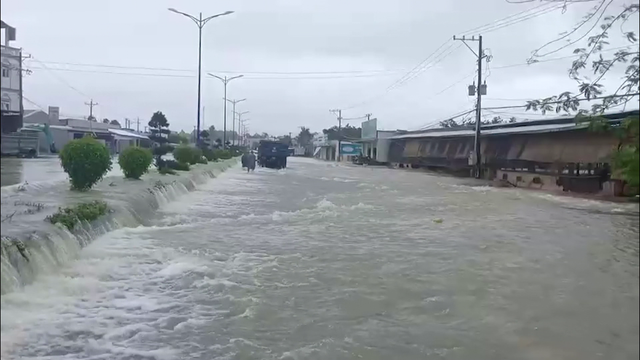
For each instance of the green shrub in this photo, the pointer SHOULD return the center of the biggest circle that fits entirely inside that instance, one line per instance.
(196, 156)
(135, 161)
(223, 154)
(167, 171)
(86, 161)
(71, 216)
(202, 160)
(162, 149)
(210, 155)
(175, 165)
(184, 154)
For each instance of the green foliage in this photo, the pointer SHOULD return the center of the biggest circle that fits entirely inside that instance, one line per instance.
(69, 217)
(202, 160)
(163, 149)
(175, 165)
(224, 154)
(626, 158)
(135, 162)
(209, 154)
(86, 161)
(196, 156)
(158, 120)
(187, 154)
(589, 87)
(166, 171)
(345, 133)
(159, 128)
(627, 161)
(178, 138)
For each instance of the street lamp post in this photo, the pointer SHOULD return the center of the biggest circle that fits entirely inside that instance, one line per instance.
(240, 116)
(245, 129)
(234, 102)
(225, 81)
(200, 22)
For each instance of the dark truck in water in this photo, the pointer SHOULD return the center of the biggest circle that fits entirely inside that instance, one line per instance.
(273, 154)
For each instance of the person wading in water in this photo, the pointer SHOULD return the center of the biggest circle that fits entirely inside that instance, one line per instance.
(249, 161)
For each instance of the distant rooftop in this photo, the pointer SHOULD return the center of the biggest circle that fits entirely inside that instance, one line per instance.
(565, 123)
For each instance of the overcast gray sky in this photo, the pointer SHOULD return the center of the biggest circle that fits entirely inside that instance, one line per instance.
(299, 58)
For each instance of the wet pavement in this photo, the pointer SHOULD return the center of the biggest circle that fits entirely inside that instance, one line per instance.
(320, 261)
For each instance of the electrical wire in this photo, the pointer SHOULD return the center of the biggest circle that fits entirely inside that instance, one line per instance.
(194, 76)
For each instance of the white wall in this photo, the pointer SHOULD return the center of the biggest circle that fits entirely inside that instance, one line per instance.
(10, 83)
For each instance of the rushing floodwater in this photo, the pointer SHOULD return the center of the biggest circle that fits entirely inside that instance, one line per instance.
(331, 262)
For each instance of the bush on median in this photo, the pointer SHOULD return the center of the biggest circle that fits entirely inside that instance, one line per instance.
(167, 171)
(69, 217)
(86, 161)
(185, 154)
(175, 165)
(135, 161)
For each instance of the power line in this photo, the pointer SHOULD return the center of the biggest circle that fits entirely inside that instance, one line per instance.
(346, 72)
(520, 19)
(60, 78)
(244, 78)
(519, 15)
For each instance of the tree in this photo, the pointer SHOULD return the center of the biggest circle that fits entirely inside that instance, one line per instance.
(105, 121)
(592, 89)
(347, 132)
(115, 122)
(159, 127)
(286, 139)
(305, 137)
(625, 160)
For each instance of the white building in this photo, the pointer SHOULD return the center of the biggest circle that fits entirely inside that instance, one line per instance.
(11, 86)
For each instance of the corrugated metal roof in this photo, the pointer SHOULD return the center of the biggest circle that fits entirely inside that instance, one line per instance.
(128, 134)
(500, 131)
(529, 127)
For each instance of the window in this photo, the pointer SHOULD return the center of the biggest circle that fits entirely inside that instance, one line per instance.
(6, 102)
(5, 72)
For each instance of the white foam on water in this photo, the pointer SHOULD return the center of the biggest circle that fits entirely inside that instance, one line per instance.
(122, 292)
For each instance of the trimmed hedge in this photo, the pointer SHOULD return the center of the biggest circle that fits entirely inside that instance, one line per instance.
(86, 161)
(135, 162)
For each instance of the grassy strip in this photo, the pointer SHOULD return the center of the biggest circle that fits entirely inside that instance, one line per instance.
(71, 216)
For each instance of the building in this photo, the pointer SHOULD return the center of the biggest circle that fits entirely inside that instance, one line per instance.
(54, 133)
(11, 83)
(553, 154)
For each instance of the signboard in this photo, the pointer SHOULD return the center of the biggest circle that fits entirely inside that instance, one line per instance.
(350, 149)
(370, 129)
(54, 115)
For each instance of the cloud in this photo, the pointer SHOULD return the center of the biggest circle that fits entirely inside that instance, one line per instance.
(300, 59)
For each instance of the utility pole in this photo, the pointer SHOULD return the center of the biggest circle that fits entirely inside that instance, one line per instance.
(338, 156)
(91, 104)
(234, 102)
(138, 125)
(480, 90)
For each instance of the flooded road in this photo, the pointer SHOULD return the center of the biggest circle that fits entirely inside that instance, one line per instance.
(333, 262)
(41, 171)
